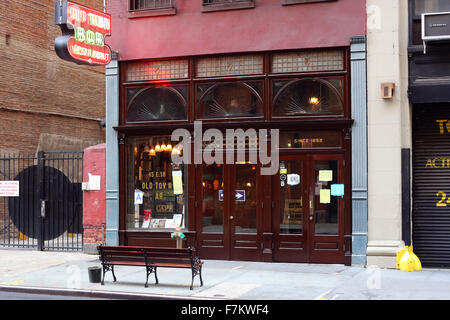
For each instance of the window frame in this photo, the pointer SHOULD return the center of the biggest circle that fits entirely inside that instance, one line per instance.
(142, 89)
(151, 12)
(131, 143)
(323, 80)
(226, 5)
(197, 103)
(291, 2)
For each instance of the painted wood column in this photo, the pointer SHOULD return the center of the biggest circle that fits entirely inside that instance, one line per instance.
(112, 152)
(359, 148)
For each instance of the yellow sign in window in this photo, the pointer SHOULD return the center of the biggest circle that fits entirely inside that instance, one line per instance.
(325, 195)
(325, 175)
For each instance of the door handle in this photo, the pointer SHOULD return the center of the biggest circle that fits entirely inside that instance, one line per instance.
(311, 207)
(42, 209)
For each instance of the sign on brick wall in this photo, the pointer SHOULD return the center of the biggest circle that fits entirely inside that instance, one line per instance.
(9, 188)
(83, 34)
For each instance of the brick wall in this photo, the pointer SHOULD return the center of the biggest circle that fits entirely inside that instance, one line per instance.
(41, 96)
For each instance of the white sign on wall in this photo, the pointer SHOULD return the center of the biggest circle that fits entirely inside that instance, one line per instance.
(94, 182)
(9, 188)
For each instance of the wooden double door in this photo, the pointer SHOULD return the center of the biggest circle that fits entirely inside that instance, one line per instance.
(308, 214)
(300, 210)
(229, 211)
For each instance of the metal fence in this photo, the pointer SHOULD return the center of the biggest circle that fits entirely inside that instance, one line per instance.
(45, 212)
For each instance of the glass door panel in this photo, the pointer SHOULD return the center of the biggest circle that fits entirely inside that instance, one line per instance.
(326, 201)
(245, 200)
(212, 198)
(291, 189)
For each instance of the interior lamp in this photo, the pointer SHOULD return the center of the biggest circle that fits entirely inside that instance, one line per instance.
(314, 100)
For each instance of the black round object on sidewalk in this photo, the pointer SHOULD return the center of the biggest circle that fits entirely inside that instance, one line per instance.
(95, 274)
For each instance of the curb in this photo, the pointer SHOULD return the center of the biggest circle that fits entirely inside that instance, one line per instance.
(98, 294)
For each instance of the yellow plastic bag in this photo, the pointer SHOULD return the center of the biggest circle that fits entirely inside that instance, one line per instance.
(408, 261)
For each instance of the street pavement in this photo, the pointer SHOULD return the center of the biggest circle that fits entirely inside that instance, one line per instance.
(66, 274)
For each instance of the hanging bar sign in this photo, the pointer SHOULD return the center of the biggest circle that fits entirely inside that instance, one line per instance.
(83, 34)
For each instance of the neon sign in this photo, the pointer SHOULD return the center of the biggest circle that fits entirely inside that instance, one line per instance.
(83, 34)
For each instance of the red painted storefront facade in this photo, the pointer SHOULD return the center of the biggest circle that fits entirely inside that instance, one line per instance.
(284, 67)
(269, 26)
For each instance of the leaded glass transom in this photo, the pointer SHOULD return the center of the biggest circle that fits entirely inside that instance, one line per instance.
(157, 70)
(229, 66)
(308, 61)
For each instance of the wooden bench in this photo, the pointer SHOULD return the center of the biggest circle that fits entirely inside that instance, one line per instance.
(151, 258)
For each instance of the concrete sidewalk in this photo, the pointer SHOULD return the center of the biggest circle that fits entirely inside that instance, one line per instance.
(67, 273)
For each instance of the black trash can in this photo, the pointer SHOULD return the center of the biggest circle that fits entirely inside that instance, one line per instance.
(95, 274)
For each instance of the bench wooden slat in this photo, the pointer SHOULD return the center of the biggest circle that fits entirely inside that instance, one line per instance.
(127, 263)
(171, 265)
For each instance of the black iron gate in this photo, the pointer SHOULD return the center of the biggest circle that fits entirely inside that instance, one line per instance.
(43, 207)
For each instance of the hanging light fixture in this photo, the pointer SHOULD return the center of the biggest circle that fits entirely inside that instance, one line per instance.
(157, 147)
(163, 147)
(176, 151)
(313, 100)
(169, 147)
(152, 152)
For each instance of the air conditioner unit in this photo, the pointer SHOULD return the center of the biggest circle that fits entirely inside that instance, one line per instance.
(435, 28)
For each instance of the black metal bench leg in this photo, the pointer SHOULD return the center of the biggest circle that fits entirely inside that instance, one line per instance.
(107, 268)
(103, 278)
(114, 276)
(149, 270)
(156, 277)
(201, 280)
(192, 281)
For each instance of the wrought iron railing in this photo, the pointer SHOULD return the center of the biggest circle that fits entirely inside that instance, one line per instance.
(150, 4)
(212, 2)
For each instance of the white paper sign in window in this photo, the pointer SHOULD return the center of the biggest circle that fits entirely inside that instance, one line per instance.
(293, 179)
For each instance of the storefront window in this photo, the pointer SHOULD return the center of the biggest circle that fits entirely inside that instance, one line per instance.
(230, 100)
(157, 103)
(305, 97)
(157, 187)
